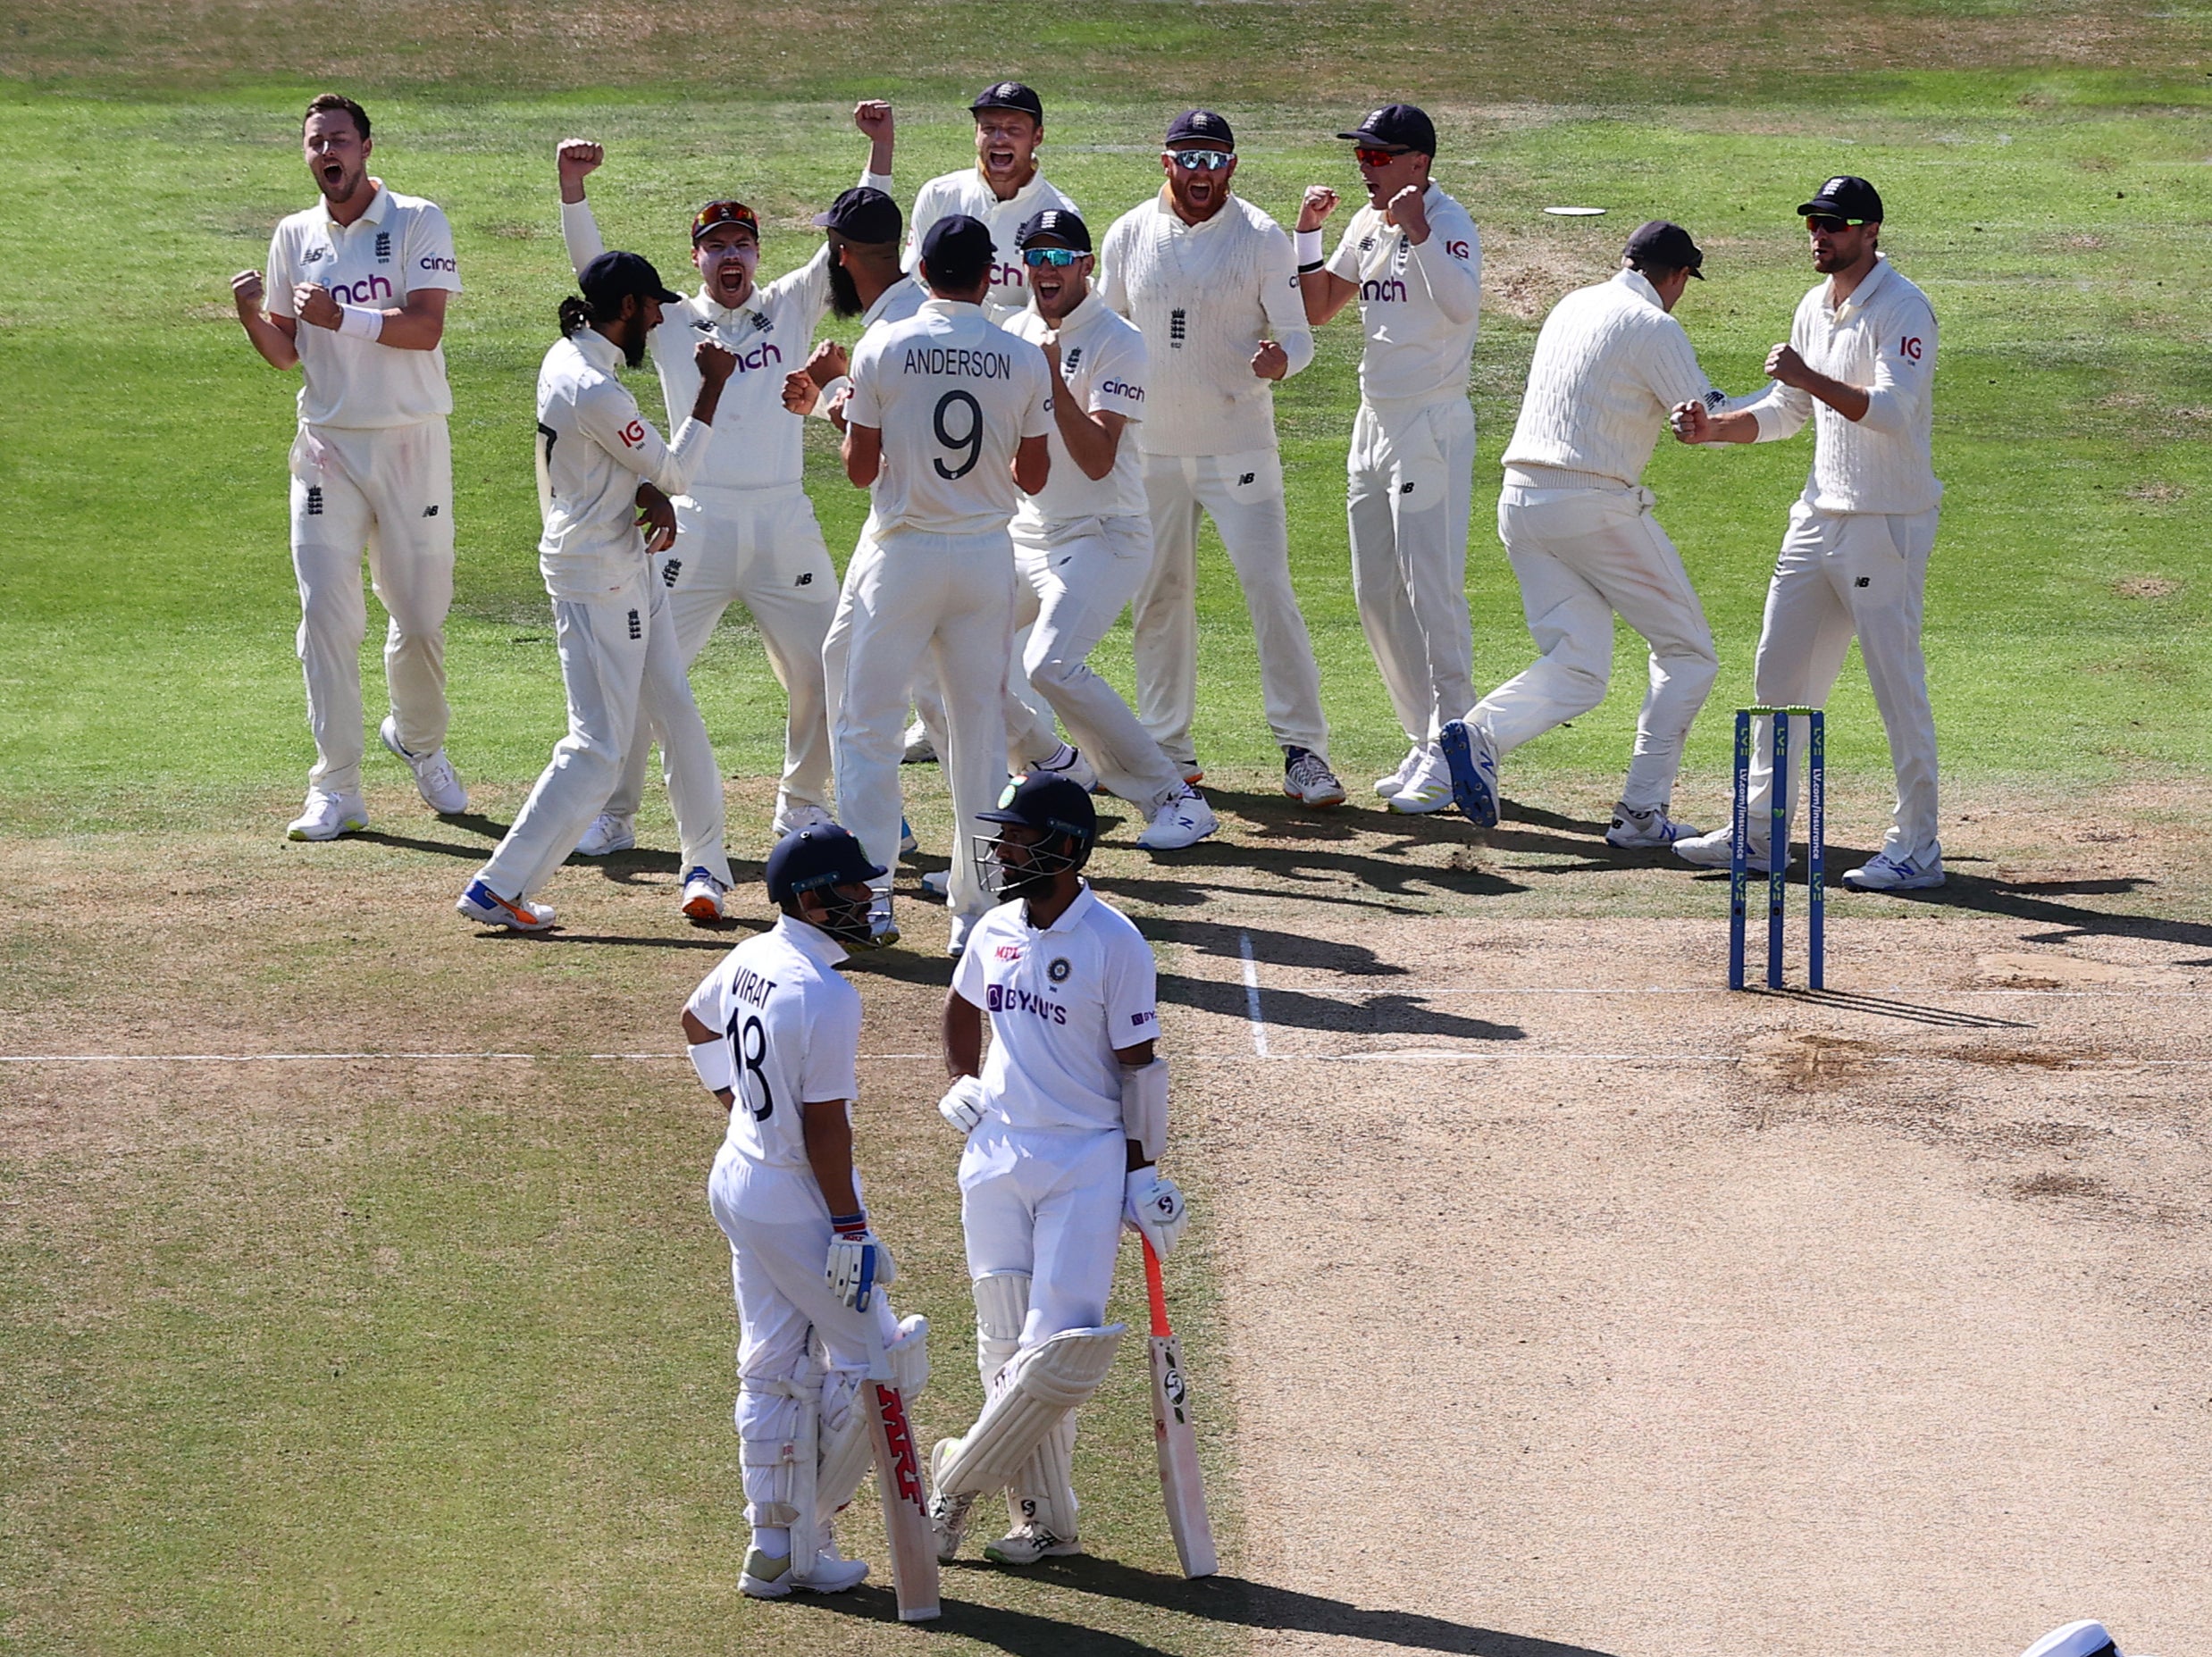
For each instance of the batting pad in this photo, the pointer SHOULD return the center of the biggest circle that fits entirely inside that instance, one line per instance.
(847, 1451)
(1043, 1384)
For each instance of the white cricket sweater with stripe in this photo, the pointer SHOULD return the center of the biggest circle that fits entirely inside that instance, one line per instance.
(1610, 365)
(1204, 296)
(1883, 339)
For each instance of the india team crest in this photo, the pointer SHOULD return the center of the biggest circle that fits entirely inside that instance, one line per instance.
(1059, 970)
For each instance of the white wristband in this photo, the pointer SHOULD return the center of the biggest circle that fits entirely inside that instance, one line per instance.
(1308, 243)
(839, 387)
(716, 1069)
(360, 322)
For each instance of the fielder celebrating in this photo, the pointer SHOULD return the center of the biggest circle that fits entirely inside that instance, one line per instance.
(774, 1033)
(1065, 1124)
(368, 272)
(1860, 364)
(1412, 259)
(1002, 188)
(601, 470)
(948, 419)
(1210, 282)
(1610, 366)
(745, 532)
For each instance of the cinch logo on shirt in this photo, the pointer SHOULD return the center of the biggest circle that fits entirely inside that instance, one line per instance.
(1008, 276)
(1372, 289)
(1122, 387)
(432, 262)
(759, 357)
(370, 287)
(999, 998)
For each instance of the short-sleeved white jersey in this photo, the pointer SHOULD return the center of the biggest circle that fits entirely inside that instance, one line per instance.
(1419, 306)
(967, 192)
(793, 1027)
(1101, 358)
(1061, 1001)
(953, 395)
(594, 447)
(400, 246)
(758, 443)
(1883, 339)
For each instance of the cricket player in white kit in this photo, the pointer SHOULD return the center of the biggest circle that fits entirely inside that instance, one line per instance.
(1412, 261)
(1611, 365)
(774, 1032)
(1065, 1122)
(356, 298)
(948, 419)
(1211, 283)
(1002, 189)
(1860, 364)
(599, 467)
(746, 532)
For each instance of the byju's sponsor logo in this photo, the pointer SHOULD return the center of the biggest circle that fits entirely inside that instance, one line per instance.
(1004, 998)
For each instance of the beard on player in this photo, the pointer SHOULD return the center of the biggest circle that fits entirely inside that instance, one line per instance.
(844, 292)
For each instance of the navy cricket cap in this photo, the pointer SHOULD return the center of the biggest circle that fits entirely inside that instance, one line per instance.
(958, 251)
(814, 858)
(1195, 124)
(1846, 197)
(1063, 224)
(1008, 94)
(613, 277)
(863, 214)
(1396, 126)
(1665, 245)
(1049, 803)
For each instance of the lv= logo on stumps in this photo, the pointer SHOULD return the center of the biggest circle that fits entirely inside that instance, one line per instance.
(1181, 1484)
(1777, 844)
(898, 1473)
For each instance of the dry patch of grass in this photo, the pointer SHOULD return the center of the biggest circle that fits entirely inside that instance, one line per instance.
(2145, 586)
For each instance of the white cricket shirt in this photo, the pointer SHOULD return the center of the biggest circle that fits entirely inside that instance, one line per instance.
(967, 192)
(953, 395)
(1419, 306)
(594, 447)
(1103, 359)
(895, 304)
(1882, 338)
(793, 1027)
(1061, 1000)
(758, 442)
(1204, 296)
(401, 244)
(1609, 367)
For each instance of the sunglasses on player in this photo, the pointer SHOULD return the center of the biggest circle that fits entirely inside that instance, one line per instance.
(1831, 223)
(1201, 160)
(1378, 157)
(1036, 258)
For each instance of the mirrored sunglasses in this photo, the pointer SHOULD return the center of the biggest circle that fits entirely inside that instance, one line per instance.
(1037, 257)
(1377, 158)
(1201, 160)
(1831, 223)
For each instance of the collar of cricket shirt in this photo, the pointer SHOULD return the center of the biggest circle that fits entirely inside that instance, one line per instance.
(811, 940)
(1070, 916)
(378, 210)
(728, 316)
(1876, 279)
(596, 349)
(884, 298)
(1639, 284)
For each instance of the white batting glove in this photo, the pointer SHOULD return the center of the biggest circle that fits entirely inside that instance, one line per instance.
(962, 1104)
(1152, 1205)
(855, 1255)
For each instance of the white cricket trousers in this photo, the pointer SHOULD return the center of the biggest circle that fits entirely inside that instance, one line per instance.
(1411, 476)
(618, 661)
(1244, 494)
(1583, 556)
(914, 599)
(776, 1267)
(1841, 575)
(1046, 1201)
(388, 489)
(761, 549)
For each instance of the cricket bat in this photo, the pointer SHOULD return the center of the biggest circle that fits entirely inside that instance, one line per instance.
(898, 1480)
(1181, 1485)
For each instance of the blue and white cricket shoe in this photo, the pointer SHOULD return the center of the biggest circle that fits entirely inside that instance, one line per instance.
(1883, 873)
(487, 908)
(702, 896)
(1474, 771)
(908, 844)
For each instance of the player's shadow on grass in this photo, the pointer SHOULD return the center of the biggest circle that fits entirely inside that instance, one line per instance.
(474, 821)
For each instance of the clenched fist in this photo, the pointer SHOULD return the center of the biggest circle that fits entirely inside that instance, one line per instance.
(248, 293)
(1317, 203)
(577, 159)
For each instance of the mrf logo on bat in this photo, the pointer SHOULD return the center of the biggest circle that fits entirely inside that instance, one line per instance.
(904, 1467)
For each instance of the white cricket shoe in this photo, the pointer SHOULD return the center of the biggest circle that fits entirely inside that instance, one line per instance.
(702, 896)
(962, 924)
(919, 749)
(1394, 783)
(1883, 873)
(1644, 831)
(1428, 787)
(937, 882)
(790, 819)
(883, 931)
(1472, 762)
(1308, 780)
(487, 908)
(1076, 768)
(766, 1577)
(948, 1515)
(608, 834)
(326, 817)
(1711, 851)
(434, 776)
(1182, 821)
(1027, 1544)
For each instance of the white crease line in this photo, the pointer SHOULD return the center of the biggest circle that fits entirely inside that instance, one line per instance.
(1440, 1055)
(1252, 995)
(1842, 998)
(261, 1058)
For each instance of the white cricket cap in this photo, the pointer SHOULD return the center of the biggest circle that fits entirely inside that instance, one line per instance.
(2086, 1638)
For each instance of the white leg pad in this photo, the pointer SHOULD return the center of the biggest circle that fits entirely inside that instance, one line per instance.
(779, 1472)
(1044, 1492)
(847, 1451)
(1035, 1392)
(1001, 1308)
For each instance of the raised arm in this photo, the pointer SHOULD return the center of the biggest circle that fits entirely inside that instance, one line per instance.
(576, 159)
(1323, 292)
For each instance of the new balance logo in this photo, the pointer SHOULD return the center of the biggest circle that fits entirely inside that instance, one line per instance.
(1246, 481)
(637, 628)
(805, 579)
(315, 500)
(669, 571)
(315, 255)
(430, 511)
(1405, 488)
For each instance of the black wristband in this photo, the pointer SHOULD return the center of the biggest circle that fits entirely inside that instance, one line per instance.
(1307, 270)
